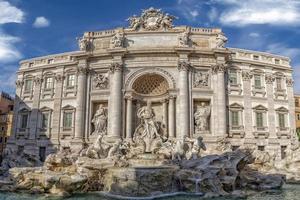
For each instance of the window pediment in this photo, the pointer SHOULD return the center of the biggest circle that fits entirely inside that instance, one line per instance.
(236, 106)
(68, 107)
(260, 108)
(282, 109)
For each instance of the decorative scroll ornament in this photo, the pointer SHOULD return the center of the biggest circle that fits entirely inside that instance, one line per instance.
(221, 40)
(151, 19)
(183, 39)
(289, 82)
(269, 78)
(19, 83)
(219, 68)
(246, 75)
(38, 80)
(101, 81)
(115, 67)
(183, 66)
(117, 40)
(85, 44)
(59, 77)
(201, 79)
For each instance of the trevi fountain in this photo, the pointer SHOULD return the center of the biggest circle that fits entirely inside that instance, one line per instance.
(150, 111)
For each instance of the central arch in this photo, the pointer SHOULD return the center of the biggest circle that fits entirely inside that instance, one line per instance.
(150, 85)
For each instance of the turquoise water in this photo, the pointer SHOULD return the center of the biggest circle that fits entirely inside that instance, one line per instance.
(288, 192)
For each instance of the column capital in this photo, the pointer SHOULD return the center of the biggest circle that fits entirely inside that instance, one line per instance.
(59, 77)
(183, 66)
(289, 82)
(116, 67)
(38, 80)
(128, 97)
(19, 83)
(219, 68)
(246, 75)
(82, 70)
(172, 97)
(269, 78)
(164, 100)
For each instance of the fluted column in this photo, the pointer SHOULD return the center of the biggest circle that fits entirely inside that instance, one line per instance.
(165, 114)
(80, 100)
(115, 103)
(183, 98)
(246, 75)
(291, 100)
(56, 119)
(171, 117)
(129, 118)
(271, 105)
(33, 125)
(219, 70)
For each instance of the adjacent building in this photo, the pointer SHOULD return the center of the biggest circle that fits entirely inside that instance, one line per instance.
(190, 83)
(6, 118)
(297, 109)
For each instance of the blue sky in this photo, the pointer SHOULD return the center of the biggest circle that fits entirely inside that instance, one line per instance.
(31, 28)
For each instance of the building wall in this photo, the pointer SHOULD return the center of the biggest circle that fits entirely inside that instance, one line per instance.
(180, 67)
(297, 111)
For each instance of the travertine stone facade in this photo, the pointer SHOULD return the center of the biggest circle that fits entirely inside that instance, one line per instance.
(194, 85)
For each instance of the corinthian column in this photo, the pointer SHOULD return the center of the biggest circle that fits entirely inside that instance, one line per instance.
(219, 70)
(183, 98)
(80, 100)
(129, 117)
(171, 117)
(115, 103)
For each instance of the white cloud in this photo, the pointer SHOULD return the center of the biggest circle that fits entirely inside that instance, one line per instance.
(41, 22)
(10, 14)
(274, 12)
(281, 49)
(8, 51)
(194, 13)
(254, 35)
(189, 9)
(212, 14)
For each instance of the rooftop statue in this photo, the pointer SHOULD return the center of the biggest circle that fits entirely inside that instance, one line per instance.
(151, 19)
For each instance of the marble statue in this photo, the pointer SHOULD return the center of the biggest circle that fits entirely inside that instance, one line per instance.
(201, 79)
(84, 44)
(183, 39)
(100, 121)
(201, 117)
(221, 40)
(135, 22)
(195, 146)
(148, 128)
(118, 40)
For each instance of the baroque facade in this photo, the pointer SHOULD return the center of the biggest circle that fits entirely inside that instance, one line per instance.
(150, 80)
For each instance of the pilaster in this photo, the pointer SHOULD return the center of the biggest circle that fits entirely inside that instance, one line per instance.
(246, 76)
(271, 106)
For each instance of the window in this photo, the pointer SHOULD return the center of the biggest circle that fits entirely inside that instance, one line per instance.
(71, 80)
(277, 62)
(298, 116)
(279, 83)
(0, 139)
(45, 120)
(50, 61)
(67, 119)
(30, 64)
(42, 153)
(281, 119)
(234, 118)
(255, 57)
(24, 120)
(261, 148)
(257, 81)
(233, 77)
(297, 102)
(28, 85)
(259, 120)
(49, 83)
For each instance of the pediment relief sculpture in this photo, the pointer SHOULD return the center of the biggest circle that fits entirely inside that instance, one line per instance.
(85, 44)
(151, 19)
(201, 79)
(101, 81)
(118, 40)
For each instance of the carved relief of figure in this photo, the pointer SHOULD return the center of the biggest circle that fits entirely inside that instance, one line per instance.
(167, 21)
(101, 81)
(135, 22)
(221, 40)
(201, 79)
(201, 117)
(100, 121)
(183, 39)
(148, 128)
(118, 40)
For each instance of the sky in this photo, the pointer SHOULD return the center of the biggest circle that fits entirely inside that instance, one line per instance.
(32, 28)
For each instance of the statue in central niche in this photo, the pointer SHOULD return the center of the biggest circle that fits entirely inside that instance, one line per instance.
(147, 132)
(202, 117)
